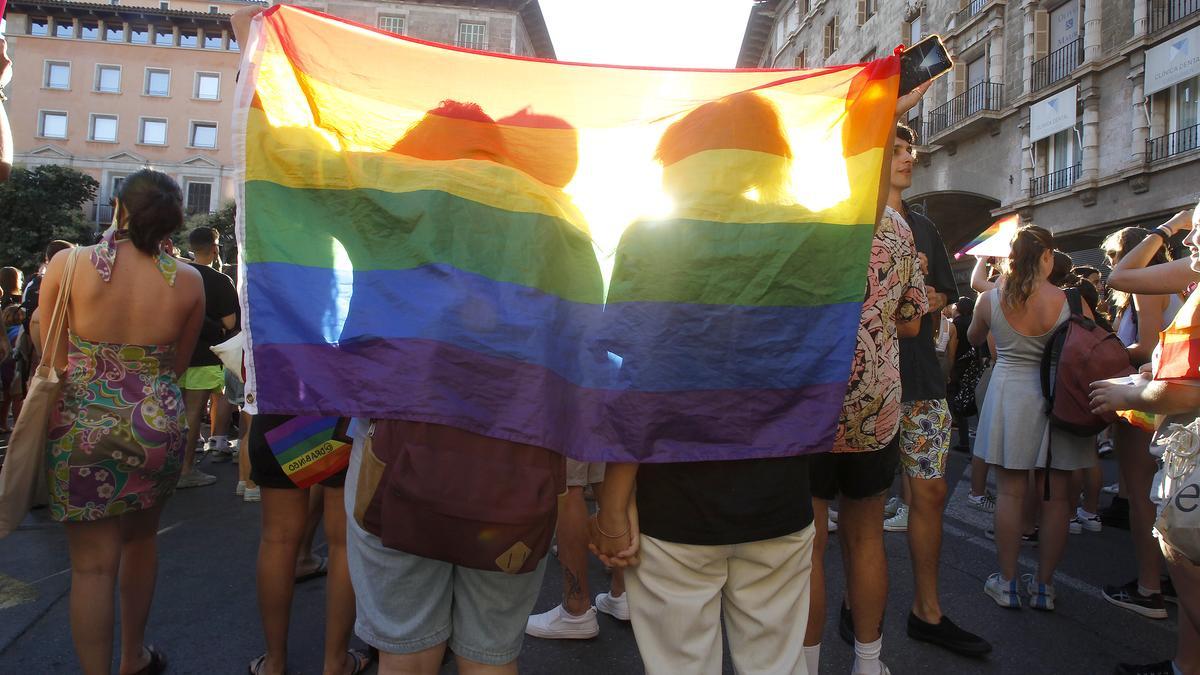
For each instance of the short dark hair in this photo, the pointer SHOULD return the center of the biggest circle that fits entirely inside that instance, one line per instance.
(153, 205)
(905, 133)
(1085, 271)
(55, 246)
(202, 237)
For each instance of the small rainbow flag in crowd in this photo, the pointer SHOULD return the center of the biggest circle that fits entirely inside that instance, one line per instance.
(994, 241)
(309, 449)
(428, 233)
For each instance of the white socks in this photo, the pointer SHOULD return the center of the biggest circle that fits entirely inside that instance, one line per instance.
(812, 656)
(866, 657)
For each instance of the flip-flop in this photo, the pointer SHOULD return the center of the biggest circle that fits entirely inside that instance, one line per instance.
(158, 662)
(321, 570)
(256, 665)
(362, 661)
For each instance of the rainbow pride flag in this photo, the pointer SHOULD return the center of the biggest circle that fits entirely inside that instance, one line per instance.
(309, 449)
(430, 233)
(1000, 232)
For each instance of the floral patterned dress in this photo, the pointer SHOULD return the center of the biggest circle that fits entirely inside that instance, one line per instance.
(117, 435)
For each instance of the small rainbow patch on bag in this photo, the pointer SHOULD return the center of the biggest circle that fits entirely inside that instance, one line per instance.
(309, 449)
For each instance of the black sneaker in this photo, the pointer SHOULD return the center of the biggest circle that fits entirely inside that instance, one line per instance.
(1130, 598)
(1030, 539)
(1116, 514)
(947, 635)
(1168, 590)
(846, 625)
(1160, 668)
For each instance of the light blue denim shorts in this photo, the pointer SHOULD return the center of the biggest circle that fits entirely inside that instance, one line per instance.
(407, 603)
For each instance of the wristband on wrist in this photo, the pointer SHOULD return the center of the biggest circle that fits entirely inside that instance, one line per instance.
(607, 535)
(1162, 232)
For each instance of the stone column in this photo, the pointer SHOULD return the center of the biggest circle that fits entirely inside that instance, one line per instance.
(1138, 123)
(1089, 94)
(1026, 159)
(996, 55)
(1141, 17)
(1092, 36)
(1028, 7)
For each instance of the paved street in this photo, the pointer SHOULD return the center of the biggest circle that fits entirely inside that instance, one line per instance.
(205, 615)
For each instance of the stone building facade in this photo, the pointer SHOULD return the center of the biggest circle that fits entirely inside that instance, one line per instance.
(1081, 115)
(109, 87)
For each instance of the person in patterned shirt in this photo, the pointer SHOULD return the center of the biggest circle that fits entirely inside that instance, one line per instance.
(866, 450)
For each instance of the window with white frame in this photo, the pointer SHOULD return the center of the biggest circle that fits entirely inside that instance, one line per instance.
(103, 128)
(1185, 105)
(203, 135)
(152, 131)
(391, 23)
(471, 34)
(58, 75)
(108, 79)
(915, 30)
(208, 86)
(52, 124)
(158, 82)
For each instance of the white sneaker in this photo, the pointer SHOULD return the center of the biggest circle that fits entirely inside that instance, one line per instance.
(1075, 526)
(1111, 489)
(557, 624)
(1088, 521)
(616, 607)
(892, 507)
(898, 522)
(985, 502)
(831, 526)
(240, 489)
(833, 515)
(252, 494)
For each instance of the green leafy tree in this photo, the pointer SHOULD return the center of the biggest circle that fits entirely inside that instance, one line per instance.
(222, 220)
(39, 204)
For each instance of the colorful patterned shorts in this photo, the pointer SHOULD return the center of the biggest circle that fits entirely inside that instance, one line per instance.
(925, 438)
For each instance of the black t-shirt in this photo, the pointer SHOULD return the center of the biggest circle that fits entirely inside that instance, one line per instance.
(220, 300)
(724, 503)
(920, 373)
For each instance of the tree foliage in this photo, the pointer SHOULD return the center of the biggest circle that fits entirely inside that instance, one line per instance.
(39, 204)
(222, 220)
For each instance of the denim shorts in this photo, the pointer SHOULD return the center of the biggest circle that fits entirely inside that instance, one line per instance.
(407, 603)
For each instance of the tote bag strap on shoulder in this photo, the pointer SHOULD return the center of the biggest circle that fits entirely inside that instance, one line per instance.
(58, 321)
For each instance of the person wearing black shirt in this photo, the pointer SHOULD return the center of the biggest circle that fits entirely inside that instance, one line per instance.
(925, 427)
(205, 376)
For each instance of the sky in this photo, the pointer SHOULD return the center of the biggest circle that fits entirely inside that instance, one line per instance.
(673, 33)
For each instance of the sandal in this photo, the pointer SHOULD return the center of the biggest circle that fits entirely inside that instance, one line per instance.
(158, 662)
(321, 570)
(256, 665)
(362, 661)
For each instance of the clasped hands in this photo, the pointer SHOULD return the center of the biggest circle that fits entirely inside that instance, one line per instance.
(613, 536)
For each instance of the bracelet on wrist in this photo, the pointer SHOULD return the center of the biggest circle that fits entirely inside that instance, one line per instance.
(605, 534)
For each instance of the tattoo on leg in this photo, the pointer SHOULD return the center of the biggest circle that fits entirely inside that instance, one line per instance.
(571, 584)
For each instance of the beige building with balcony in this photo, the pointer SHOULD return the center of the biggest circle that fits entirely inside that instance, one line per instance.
(1081, 115)
(111, 87)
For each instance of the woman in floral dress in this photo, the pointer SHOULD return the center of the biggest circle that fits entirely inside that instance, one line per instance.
(117, 435)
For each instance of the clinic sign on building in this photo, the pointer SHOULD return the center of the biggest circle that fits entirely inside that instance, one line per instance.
(1173, 61)
(1053, 114)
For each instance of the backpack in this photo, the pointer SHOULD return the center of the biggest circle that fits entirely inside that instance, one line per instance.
(1079, 353)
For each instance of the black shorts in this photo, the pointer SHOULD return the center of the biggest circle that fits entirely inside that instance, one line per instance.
(264, 468)
(855, 475)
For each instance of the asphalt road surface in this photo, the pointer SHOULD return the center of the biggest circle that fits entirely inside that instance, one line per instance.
(205, 616)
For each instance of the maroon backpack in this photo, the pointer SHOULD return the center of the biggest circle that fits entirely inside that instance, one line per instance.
(1079, 353)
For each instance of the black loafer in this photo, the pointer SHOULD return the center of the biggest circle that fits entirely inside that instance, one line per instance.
(947, 635)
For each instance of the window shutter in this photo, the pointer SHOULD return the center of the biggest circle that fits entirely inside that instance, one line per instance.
(1041, 34)
(960, 79)
(862, 12)
(828, 38)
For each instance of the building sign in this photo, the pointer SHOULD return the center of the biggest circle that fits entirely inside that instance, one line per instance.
(1053, 114)
(1173, 61)
(1064, 26)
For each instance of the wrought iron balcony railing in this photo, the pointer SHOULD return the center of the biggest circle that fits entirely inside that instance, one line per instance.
(983, 96)
(1057, 65)
(969, 10)
(1053, 182)
(1177, 143)
(1164, 13)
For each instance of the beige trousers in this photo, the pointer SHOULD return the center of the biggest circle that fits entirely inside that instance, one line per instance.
(678, 591)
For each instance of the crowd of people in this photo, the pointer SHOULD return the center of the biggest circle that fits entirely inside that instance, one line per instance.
(699, 551)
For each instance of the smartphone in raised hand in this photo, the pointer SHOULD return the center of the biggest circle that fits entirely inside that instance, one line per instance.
(923, 62)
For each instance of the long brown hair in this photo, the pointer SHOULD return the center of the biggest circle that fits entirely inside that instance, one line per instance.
(1115, 246)
(1025, 264)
